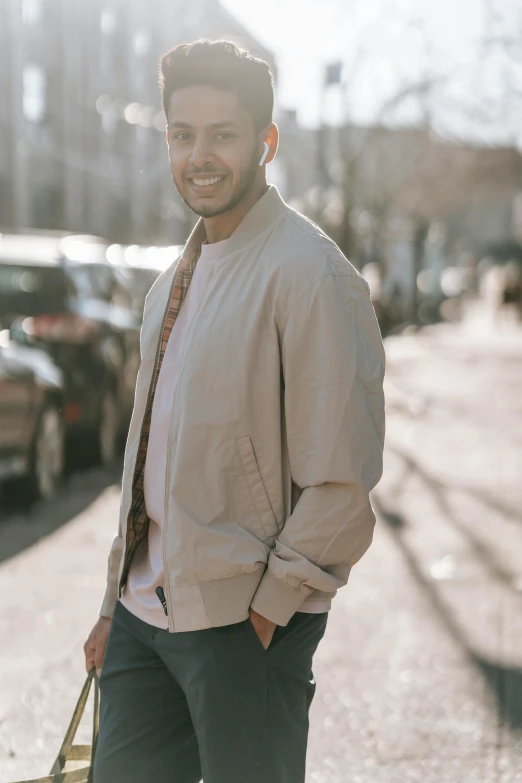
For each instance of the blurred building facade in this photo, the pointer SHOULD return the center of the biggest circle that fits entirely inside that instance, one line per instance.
(82, 143)
(404, 199)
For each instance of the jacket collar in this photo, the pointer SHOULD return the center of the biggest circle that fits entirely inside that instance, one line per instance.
(265, 211)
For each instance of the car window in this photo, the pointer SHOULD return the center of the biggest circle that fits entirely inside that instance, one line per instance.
(99, 281)
(103, 281)
(30, 289)
(121, 289)
(82, 279)
(143, 280)
(92, 281)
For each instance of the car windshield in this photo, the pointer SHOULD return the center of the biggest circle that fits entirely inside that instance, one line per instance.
(142, 280)
(30, 289)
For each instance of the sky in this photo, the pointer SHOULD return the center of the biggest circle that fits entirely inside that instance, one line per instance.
(389, 47)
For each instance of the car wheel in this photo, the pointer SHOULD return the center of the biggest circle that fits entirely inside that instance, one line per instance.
(107, 434)
(47, 458)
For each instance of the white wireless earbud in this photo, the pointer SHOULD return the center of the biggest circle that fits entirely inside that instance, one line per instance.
(265, 153)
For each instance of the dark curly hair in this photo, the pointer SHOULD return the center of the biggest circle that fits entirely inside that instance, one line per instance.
(223, 65)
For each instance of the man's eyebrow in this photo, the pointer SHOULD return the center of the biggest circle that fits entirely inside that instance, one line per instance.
(229, 124)
(213, 125)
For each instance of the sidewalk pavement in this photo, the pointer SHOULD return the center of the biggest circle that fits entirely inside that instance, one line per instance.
(420, 672)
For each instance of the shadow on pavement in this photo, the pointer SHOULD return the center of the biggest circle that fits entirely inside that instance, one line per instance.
(438, 490)
(21, 527)
(505, 682)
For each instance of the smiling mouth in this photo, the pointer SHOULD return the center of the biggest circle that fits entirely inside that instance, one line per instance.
(206, 182)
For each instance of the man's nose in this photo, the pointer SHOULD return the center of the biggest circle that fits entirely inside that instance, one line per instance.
(201, 153)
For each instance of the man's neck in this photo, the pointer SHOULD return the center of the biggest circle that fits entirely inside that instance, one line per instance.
(223, 226)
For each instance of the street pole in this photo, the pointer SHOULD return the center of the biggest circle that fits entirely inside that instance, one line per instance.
(420, 232)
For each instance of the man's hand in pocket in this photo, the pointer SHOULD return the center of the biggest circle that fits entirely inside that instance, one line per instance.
(263, 627)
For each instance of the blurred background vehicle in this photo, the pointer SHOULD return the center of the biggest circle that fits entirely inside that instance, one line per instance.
(140, 266)
(59, 293)
(31, 419)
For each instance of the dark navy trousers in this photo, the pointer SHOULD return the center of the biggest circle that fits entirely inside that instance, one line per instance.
(210, 704)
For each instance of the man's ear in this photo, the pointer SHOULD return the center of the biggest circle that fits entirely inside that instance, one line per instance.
(167, 136)
(272, 139)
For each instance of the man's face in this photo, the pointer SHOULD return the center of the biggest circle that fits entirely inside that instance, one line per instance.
(213, 149)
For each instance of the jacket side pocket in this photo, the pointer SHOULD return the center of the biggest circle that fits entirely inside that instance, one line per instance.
(256, 486)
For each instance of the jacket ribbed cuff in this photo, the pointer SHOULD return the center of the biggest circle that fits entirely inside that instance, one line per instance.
(110, 600)
(277, 600)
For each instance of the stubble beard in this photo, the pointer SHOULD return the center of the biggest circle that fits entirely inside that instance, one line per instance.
(246, 181)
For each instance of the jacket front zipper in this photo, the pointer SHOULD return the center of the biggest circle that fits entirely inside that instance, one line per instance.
(161, 595)
(169, 440)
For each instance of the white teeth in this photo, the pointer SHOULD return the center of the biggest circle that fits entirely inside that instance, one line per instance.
(204, 182)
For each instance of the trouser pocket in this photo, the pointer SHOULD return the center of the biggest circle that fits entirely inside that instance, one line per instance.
(252, 633)
(302, 634)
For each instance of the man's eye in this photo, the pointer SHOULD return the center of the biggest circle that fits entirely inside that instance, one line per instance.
(182, 136)
(225, 135)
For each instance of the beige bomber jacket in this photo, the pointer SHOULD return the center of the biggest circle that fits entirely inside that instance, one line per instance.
(277, 427)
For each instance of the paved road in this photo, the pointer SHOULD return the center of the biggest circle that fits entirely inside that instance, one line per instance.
(420, 672)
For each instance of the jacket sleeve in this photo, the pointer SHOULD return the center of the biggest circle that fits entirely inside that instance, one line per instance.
(333, 365)
(111, 592)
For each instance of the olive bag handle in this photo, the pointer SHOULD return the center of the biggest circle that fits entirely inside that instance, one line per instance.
(71, 752)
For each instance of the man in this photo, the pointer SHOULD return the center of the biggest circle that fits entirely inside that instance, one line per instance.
(255, 440)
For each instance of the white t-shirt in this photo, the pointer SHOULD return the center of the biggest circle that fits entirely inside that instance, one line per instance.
(146, 572)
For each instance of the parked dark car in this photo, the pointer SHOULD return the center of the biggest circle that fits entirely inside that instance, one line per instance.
(141, 265)
(31, 419)
(58, 292)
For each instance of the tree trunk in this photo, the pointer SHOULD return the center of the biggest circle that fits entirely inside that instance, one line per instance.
(420, 232)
